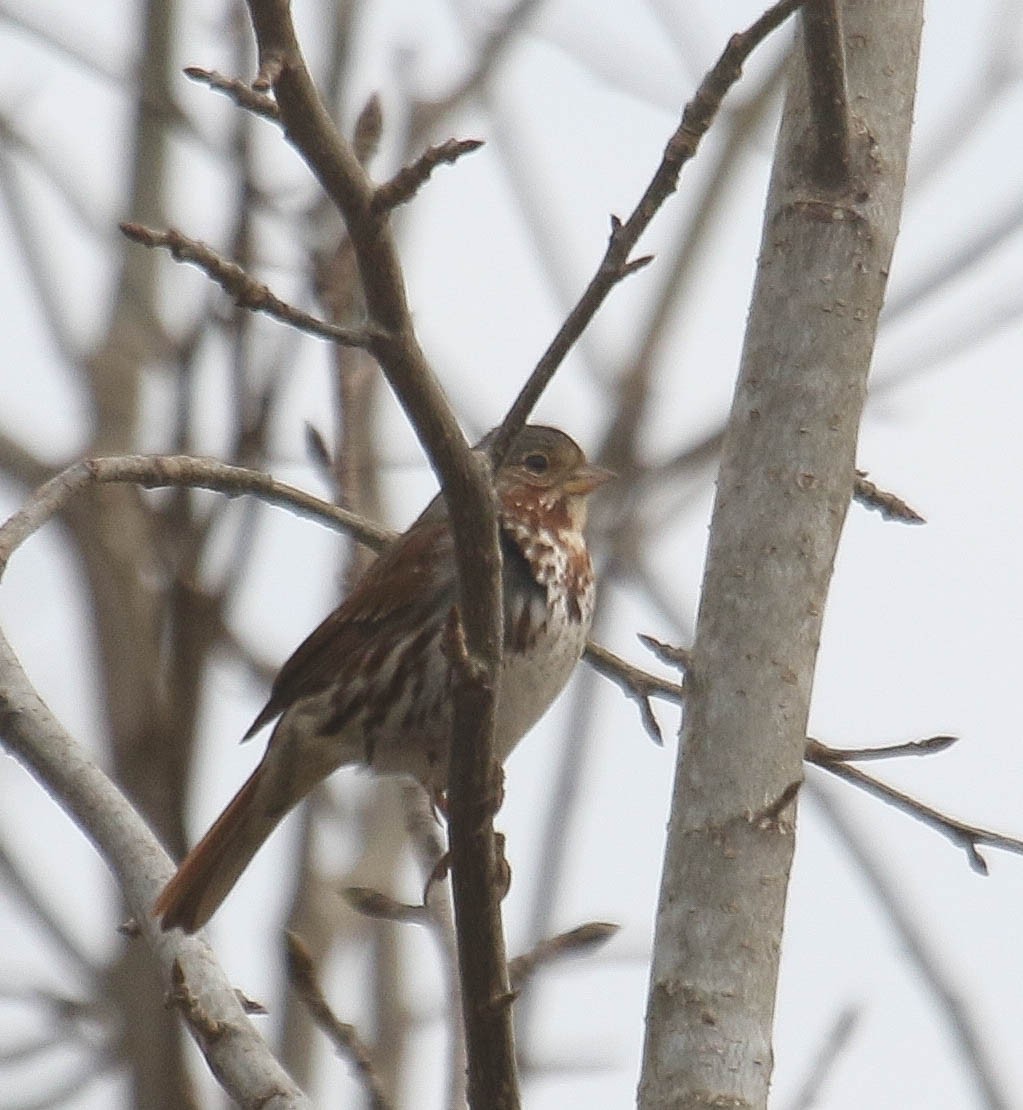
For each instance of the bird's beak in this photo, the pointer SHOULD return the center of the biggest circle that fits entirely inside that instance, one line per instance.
(588, 478)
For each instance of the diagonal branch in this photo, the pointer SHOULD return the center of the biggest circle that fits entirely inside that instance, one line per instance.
(404, 185)
(697, 117)
(245, 96)
(245, 289)
(344, 1037)
(237, 1055)
(965, 836)
(637, 684)
(819, 753)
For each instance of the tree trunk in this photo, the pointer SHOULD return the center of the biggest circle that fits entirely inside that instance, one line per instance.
(786, 477)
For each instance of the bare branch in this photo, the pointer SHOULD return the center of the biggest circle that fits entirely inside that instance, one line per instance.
(887, 504)
(241, 1061)
(672, 654)
(821, 753)
(344, 1037)
(965, 836)
(245, 96)
(824, 52)
(374, 903)
(697, 117)
(783, 490)
(637, 684)
(246, 291)
(576, 942)
(154, 471)
(409, 179)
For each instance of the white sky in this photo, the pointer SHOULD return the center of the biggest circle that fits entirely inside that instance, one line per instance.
(923, 627)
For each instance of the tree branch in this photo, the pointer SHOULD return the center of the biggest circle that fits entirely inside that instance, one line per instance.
(964, 836)
(466, 484)
(236, 1053)
(697, 117)
(576, 942)
(246, 291)
(245, 96)
(344, 1037)
(154, 471)
(887, 504)
(637, 684)
(409, 179)
(819, 753)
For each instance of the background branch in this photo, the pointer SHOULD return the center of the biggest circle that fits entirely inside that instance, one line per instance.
(241, 1061)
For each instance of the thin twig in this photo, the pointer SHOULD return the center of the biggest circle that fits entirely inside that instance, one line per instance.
(344, 1037)
(697, 117)
(823, 753)
(829, 97)
(887, 504)
(246, 291)
(965, 836)
(639, 685)
(576, 942)
(374, 903)
(404, 185)
(672, 654)
(245, 96)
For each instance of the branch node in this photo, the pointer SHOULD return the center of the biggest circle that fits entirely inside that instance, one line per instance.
(271, 66)
(180, 996)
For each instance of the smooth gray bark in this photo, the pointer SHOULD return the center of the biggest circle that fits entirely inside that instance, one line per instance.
(786, 478)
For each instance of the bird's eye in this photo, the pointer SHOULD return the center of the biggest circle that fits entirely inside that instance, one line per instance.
(536, 462)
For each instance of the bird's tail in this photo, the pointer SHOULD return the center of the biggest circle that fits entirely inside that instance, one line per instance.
(210, 870)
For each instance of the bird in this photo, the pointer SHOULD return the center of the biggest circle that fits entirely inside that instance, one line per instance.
(372, 684)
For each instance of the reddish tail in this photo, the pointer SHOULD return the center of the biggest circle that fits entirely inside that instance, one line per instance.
(214, 865)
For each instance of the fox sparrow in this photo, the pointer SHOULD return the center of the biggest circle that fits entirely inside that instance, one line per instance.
(372, 683)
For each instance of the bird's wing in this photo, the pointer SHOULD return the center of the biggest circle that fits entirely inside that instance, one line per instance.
(407, 582)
